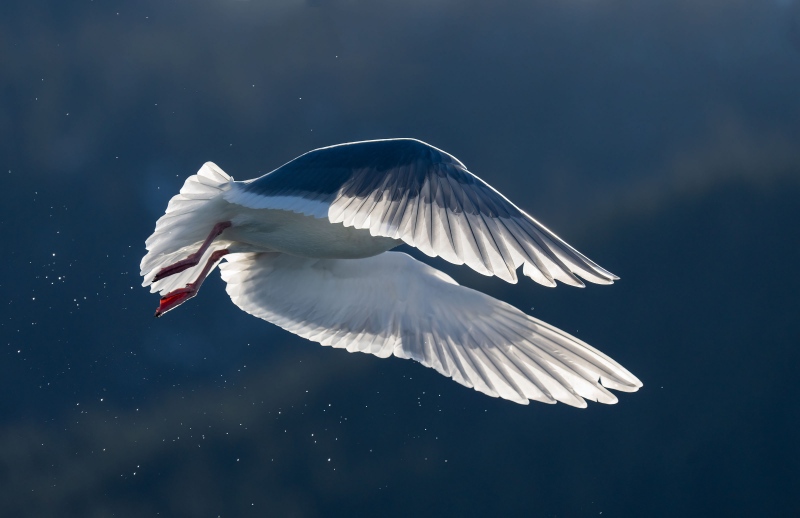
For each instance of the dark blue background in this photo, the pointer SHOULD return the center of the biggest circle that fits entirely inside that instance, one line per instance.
(661, 138)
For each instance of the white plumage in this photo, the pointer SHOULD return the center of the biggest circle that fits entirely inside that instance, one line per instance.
(306, 248)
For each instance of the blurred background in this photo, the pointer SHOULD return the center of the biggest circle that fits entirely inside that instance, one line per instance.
(659, 137)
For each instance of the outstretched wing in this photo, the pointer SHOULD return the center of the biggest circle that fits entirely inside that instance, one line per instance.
(394, 304)
(406, 189)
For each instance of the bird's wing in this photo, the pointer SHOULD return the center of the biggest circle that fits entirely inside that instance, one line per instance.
(393, 304)
(406, 189)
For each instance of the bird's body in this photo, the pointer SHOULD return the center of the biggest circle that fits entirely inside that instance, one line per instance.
(302, 236)
(306, 248)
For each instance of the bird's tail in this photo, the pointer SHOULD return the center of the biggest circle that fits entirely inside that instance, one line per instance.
(190, 216)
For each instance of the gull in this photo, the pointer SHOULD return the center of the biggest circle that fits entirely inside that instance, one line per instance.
(307, 247)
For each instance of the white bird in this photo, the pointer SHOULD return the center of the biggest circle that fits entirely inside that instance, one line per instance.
(307, 248)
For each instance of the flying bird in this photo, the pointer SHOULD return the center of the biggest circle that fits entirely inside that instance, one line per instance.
(307, 247)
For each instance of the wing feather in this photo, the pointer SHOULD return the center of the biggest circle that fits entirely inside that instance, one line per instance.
(394, 304)
(406, 189)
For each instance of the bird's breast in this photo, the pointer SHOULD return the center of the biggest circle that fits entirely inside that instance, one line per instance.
(304, 236)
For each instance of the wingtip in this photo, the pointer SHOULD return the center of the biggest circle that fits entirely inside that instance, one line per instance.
(581, 403)
(629, 385)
